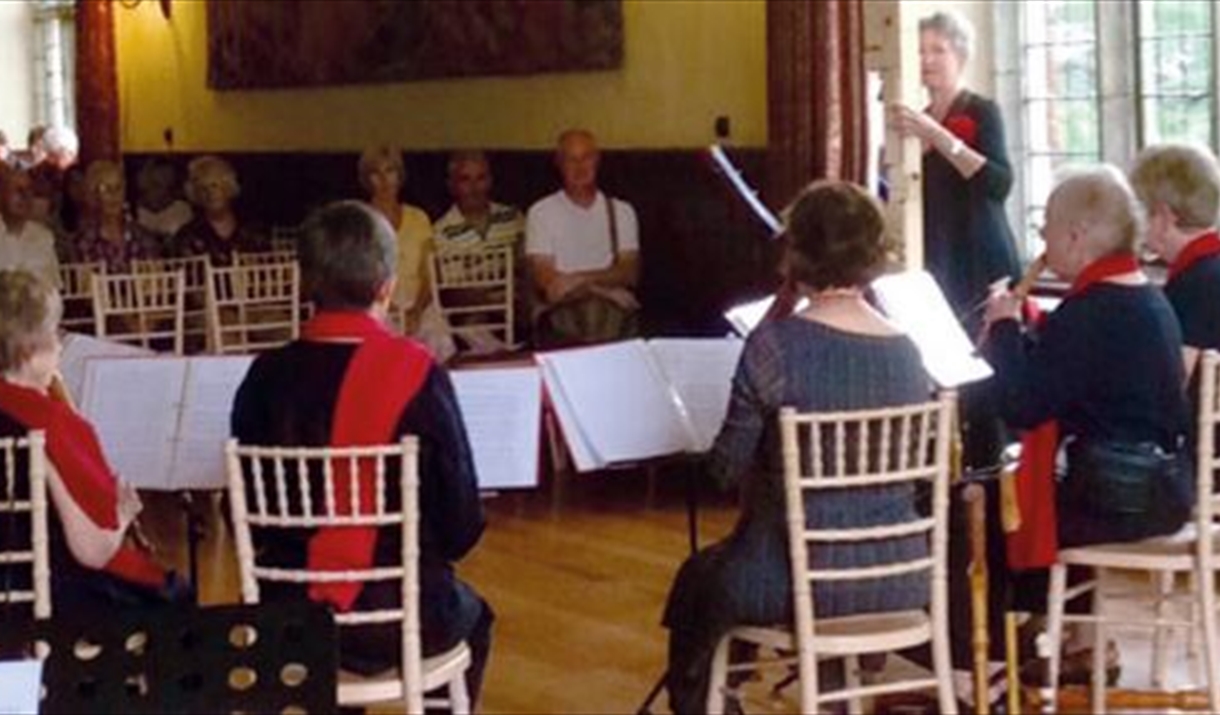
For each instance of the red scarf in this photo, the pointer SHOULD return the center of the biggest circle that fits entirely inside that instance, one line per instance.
(1201, 247)
(382, 378)
(1035, 544)
(76, 453)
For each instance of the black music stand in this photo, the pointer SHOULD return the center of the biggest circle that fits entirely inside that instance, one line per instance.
(268, 658)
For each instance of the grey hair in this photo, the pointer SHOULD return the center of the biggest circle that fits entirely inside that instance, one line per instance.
(348, 250)
(1184, 177)
(204, 165)
(61, 140)
(955, 28)
(30, 309)
(1101, 197)
(463, 156)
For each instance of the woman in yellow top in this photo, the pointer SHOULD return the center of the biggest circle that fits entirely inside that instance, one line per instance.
(382, 175)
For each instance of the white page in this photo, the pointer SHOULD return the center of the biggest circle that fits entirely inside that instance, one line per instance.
(620, 399)
(701, 371)
(134, 404)
(915, 303)
(211, 384)
(20, 687)
(745, 317)
(502, 411)
(579, 447)
(78, 349)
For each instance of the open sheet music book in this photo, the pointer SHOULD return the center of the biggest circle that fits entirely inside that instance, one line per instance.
(502, 411)
(20, 687)
(635, 400)
(163, 421)
(79, 349)
(914, 302)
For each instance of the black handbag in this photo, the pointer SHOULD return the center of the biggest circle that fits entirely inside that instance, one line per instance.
(1128, 479)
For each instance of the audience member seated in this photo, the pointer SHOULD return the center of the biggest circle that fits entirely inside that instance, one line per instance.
(24, 244)
(349, 375)
(584, 254)
(382, 175)
(34, 153)
(61, 146)
(158, 206)
(6, 152)
(475, 221)
(838, 354)
(108, 234)
(1180, 189)
(216, 231)
(95, 563)
(1097, 389)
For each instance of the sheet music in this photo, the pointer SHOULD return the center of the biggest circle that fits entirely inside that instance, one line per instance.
(20, 687)
(701, 371)
(915, 303)
(134, 403)
(617, 396)
(207, 397)
(78, 349)
(574, 435)
(745, 317)
(502, 411)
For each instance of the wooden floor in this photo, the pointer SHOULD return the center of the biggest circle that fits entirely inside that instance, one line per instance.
(578, 588)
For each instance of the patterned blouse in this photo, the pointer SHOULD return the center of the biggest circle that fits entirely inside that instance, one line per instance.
(138, 243)
(199, 238)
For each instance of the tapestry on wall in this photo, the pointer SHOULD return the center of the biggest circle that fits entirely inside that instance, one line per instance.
(267, 43)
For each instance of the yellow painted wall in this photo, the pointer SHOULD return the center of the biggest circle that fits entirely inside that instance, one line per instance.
(17, 110)
(685, 63)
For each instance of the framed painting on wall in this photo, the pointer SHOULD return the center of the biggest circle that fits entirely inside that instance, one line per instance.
(261, 44)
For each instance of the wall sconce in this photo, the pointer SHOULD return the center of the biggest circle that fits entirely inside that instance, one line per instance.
(167, 6)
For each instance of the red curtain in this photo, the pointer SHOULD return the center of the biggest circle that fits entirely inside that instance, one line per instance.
(97, 83)
(815, 94)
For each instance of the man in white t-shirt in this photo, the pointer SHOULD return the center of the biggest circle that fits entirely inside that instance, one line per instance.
(25, 244)
(583, 250)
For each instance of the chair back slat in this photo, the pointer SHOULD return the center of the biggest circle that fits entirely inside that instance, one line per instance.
(76, 291)
(146, 309)
(253, 307)
(263, 258)
(394, 505)
(25, 567)
(474, 289)
(844, 452)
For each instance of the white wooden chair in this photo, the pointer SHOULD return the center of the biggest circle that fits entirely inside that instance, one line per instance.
(147, 309)
(253, 307)
(262, 258)
(837, 452)
(1161, 557)
(23, 498)
(284, 238)
(293, 488)
(474, 289)
(194, 270)
(76, 290)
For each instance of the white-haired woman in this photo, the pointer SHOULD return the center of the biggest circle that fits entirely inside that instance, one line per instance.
(216, 231)
(95, 566)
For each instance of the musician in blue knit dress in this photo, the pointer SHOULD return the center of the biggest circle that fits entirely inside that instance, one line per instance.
(837, 354)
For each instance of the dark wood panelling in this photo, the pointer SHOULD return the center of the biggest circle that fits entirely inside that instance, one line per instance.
(701, 249)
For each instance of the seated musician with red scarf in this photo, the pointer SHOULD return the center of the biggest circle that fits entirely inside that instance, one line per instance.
(350, 381)
(95, 566)
(1097, 389)
(1180, 188)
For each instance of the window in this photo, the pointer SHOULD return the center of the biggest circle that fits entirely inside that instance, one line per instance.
(55, 62)
(1098, 81)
